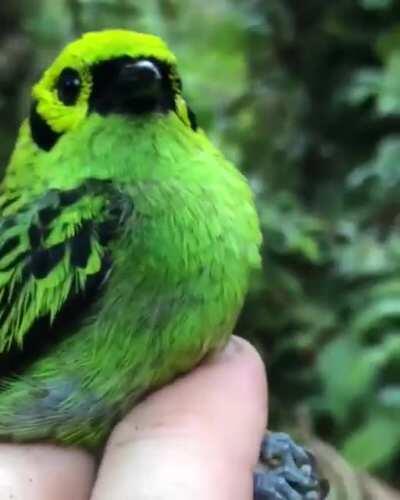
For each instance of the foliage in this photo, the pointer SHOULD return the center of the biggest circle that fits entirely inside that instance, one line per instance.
(305, 96)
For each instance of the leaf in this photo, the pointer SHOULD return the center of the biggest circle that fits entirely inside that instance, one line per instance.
(348, 372)
(375, 443)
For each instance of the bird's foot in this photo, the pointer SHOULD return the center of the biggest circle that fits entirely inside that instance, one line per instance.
(287, 471)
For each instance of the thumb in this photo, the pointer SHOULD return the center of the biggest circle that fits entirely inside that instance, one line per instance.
(196, 438)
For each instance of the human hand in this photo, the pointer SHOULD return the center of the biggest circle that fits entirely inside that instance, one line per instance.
(196, 438)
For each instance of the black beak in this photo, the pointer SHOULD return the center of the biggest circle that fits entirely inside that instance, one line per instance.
(128, 86)
(141, 79)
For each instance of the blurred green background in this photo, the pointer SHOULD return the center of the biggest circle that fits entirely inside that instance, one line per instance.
(305, 98)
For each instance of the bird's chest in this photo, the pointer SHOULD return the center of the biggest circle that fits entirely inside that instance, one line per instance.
(180, 252)
(183, 237)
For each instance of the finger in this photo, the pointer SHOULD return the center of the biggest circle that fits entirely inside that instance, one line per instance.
(197, 438)
(44, 472)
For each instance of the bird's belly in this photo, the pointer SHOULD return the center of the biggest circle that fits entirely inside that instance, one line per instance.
(78, 391)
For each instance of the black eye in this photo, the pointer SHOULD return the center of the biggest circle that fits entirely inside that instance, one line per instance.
(69, 86)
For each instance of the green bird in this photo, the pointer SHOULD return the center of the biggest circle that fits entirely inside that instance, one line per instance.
(127, 242)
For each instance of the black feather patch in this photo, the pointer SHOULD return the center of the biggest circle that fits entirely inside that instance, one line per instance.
(43, 261)
(106, 231)
(43, 135)
(48, 214)
(71, 196)
(35, 235)
(193, 119)
(9, 245)
(80, 246)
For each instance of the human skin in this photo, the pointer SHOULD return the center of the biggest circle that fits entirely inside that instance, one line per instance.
(197, 438)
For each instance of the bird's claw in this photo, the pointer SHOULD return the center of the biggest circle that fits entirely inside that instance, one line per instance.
(287, 472)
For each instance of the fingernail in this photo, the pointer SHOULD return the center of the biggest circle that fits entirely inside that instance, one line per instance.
(230, 351)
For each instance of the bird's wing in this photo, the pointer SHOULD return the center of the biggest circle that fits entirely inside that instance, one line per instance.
(53, 249)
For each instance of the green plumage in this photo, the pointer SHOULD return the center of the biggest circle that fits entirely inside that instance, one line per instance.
(125, 255)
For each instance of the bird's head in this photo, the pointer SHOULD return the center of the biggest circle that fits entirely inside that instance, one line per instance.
(107, 72)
